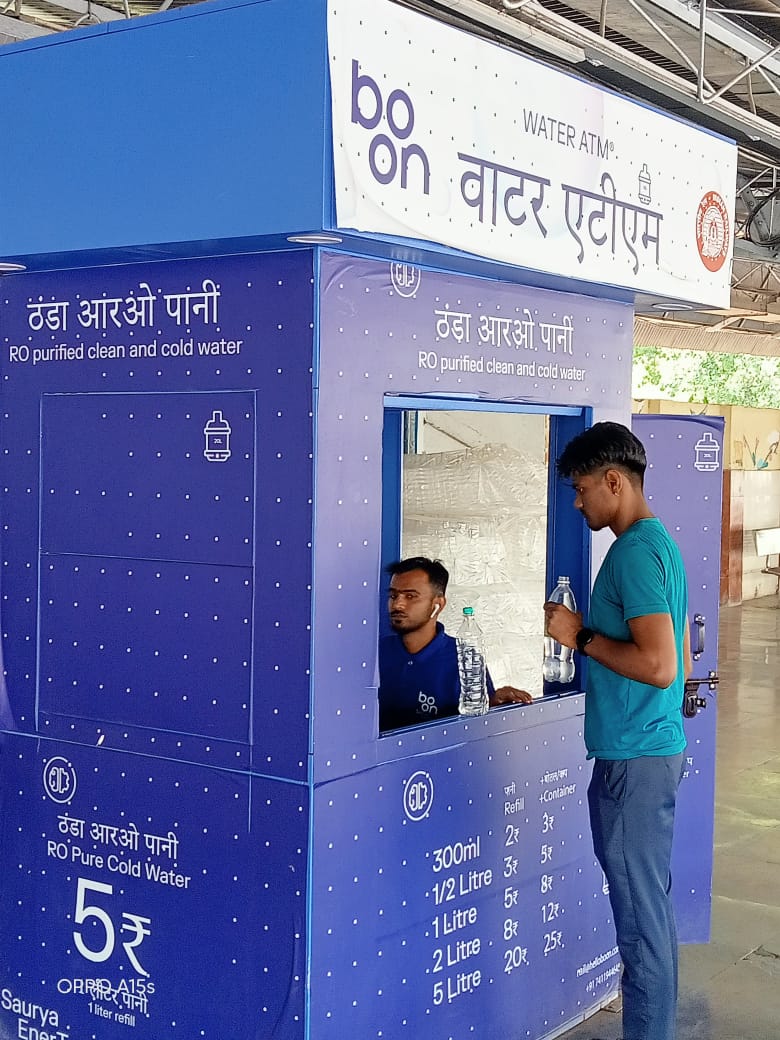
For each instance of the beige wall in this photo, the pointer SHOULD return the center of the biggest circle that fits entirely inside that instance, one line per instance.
(754, 436)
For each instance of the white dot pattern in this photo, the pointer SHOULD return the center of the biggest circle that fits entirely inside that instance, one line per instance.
(152, 557)
(684, 490)
(498, 869)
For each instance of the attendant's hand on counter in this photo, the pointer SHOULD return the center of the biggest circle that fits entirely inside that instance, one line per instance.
(510, 695)
(562, 624)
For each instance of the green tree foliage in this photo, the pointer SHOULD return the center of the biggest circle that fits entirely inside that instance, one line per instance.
(707, 378)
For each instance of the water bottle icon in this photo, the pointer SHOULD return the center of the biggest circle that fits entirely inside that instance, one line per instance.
(217, 433)
(644, 185)
(707, 450)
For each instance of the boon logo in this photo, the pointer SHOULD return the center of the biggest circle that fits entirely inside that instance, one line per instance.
(388, 156)
(418, 796)
(59, 780)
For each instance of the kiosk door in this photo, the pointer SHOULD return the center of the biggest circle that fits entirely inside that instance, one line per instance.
(683, 485)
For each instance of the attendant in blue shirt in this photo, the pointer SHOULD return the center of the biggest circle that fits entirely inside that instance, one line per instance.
(418, 663)
(638, 645)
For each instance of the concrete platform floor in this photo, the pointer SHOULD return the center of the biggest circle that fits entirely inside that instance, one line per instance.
(730, 987)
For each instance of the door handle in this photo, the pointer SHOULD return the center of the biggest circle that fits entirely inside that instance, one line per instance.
(698, 621)
(692, 702)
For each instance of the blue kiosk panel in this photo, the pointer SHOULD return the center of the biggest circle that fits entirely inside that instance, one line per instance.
(120, 477)
(202, 125)
(457, 894)
(158, 464)
(396, 333)
(166, 636)
(684, 484)
(149, 898)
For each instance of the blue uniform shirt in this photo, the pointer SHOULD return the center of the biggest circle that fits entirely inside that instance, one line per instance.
(642, 574)
(419, 687)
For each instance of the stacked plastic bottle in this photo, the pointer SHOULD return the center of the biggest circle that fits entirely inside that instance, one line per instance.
(471, 666)
(558, 663)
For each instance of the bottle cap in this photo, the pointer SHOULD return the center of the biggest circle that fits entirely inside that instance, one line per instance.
(468, 611)
(565, 577)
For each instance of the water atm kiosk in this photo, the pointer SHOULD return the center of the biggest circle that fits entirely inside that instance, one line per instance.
(216, 428)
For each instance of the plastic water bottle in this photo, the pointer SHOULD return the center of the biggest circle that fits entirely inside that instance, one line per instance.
(558, 663)
(471, 666)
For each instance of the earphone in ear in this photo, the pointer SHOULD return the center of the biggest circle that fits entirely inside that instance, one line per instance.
(435, 610)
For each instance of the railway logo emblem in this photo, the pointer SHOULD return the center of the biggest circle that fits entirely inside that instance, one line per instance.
(712, 231)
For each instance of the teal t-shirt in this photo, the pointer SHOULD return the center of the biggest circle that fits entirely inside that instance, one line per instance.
(642, 574)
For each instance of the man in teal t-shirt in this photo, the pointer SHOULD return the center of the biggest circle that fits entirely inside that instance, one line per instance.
(638, 646)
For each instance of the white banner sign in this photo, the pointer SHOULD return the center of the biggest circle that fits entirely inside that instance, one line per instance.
(440, 136)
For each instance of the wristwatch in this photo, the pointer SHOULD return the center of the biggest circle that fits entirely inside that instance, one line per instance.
(584, 636)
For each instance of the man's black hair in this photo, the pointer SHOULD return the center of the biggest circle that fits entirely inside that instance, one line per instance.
(438, 575)
(604, 445)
